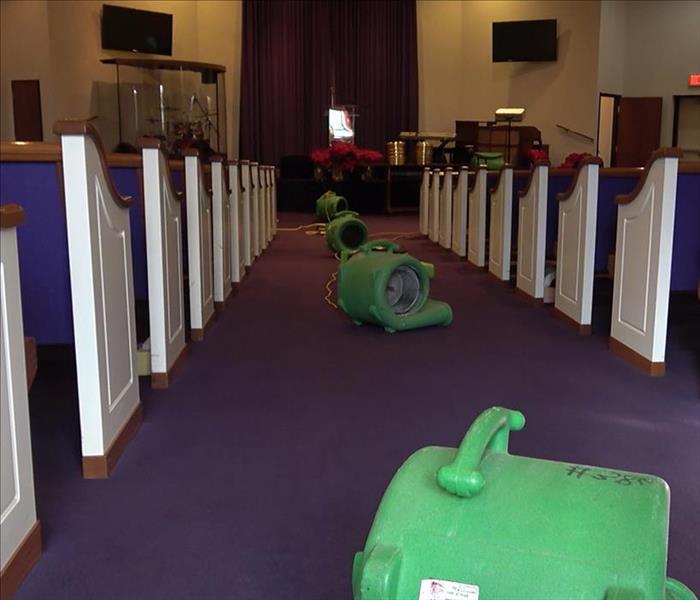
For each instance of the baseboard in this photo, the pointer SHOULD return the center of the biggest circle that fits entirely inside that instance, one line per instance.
(655, 369)
(100, 467)
(197, 334)
(21, 562)
(564, 318)
(527, 297)
(30, 359)
(161, 381)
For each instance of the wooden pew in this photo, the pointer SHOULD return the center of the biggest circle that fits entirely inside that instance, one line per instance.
(500, 224)
(576, 240)
(643, 264)
(273, 171)
(476, 239)
(20, 531)
(166, 296)
(101, 279)
(446, 194)
(246, 187)
(460, 211)
(199, 246)
(236, 205)
(434, 209)
(223, 233)
(424, 204)
(532, 229)
(255, 209)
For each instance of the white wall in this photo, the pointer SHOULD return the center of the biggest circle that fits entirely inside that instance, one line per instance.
(58, 42)
(459, 81)
(663, 47)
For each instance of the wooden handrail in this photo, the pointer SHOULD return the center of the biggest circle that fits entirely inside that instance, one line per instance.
(538, 163)
(472, 182)
(589, 160)
(498, 177)
(11, 215)
(656, 155)
(85, 128)
(158, 144)
(583, 135)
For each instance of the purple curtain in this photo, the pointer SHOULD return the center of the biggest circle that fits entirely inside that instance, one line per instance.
(295, 50)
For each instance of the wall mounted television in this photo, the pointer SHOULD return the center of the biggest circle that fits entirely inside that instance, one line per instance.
(525, 41)
(136, 30)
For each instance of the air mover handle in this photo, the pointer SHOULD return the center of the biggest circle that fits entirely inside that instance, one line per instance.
(386, 244)
(489, 432)
(346, 212)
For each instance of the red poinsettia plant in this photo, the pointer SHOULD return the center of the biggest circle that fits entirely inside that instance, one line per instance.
(535, 154)
(571, 161)
(344, 156)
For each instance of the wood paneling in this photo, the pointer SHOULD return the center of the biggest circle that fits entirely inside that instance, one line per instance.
(26, 110)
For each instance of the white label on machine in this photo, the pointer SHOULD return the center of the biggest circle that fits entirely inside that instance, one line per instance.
(439, 589)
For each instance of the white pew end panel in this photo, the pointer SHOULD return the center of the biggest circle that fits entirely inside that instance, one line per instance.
(476, 238)
(274, 200)
(246, 226)
(460, 212)
(255, 209)
(166, 295)
(642, 281)
(20, 531)
(434, 209)
(236, 205)
(102, 294)
(500, 224)
(532, 229)
(446, 195)
(578, 208)
(199, 246)
(424, 202)
(222, 231)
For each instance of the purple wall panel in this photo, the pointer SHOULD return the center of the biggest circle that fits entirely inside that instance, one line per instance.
(43, 249)
(685, 267)
(128, 183)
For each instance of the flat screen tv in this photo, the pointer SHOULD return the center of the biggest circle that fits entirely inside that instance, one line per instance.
(525, 41)
(136, 30)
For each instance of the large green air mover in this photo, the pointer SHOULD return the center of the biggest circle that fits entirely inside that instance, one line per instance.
(329, 205)
(346, 232)
(478, 523)
(382, 285)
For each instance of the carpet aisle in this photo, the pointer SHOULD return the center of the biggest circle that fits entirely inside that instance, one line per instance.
(257, 474)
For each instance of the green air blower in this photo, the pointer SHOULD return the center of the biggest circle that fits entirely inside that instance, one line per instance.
(479, 523)
(345, 233)
(329, 205)
(382, 285)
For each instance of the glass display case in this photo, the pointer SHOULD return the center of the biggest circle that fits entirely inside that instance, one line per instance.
(180, 102)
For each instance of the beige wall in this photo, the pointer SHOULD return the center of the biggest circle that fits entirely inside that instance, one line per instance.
(65, 52)
(663, 47)
(458, 79)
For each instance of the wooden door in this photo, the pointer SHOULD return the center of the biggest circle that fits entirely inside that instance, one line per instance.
(638, 130)
(26, 109)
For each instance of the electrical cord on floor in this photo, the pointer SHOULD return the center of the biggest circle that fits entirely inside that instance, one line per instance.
(329, 290)
(301, 227)
(410, 235)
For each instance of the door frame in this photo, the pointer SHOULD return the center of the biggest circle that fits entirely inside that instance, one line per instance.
(676, 103)
(616, 111)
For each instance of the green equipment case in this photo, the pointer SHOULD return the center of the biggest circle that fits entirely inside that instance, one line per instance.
(329, 205)
(493, 161)
(478, 523)
(382, 285)
(346, 232)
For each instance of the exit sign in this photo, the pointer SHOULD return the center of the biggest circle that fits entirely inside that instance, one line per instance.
(694, 80)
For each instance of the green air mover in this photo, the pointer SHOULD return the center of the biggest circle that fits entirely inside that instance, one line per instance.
(329, 205)
(382, 285)
(478, 522)
(345, 233)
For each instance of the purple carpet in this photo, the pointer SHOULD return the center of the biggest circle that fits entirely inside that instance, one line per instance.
(258, 473)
